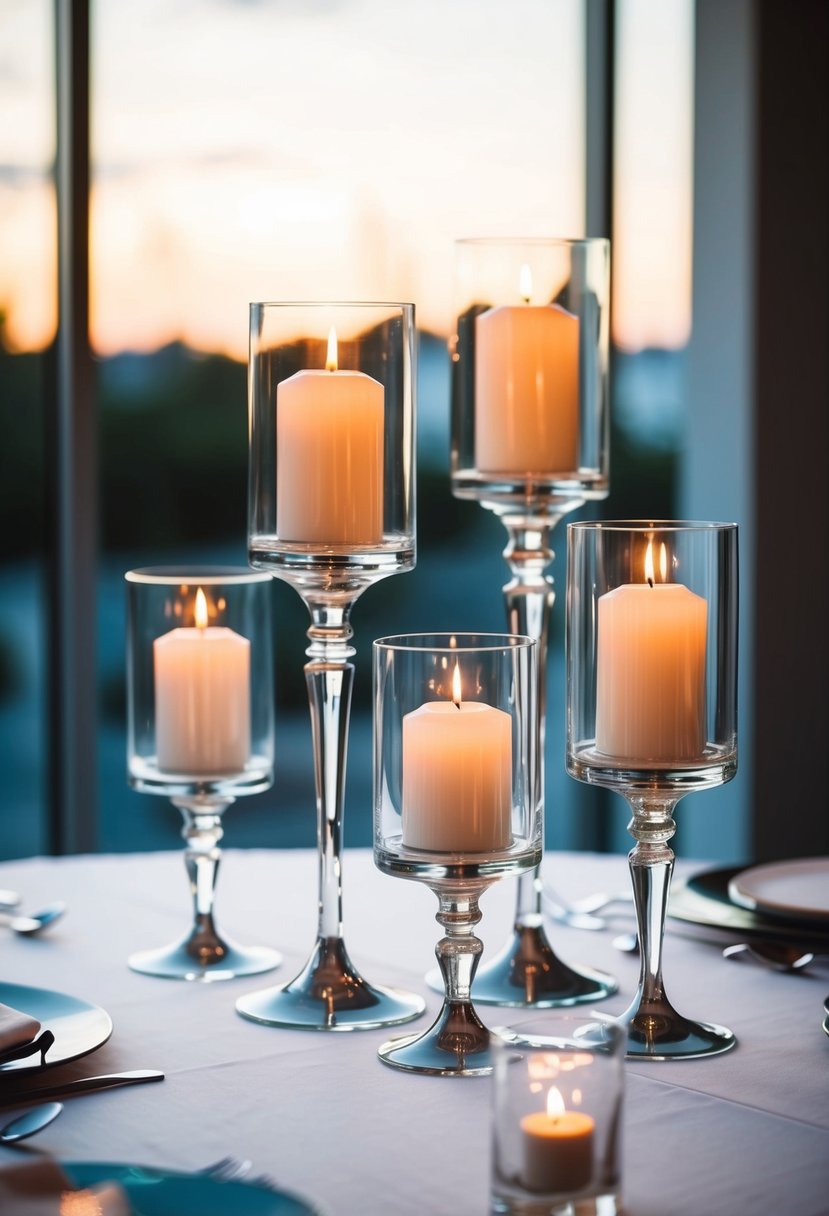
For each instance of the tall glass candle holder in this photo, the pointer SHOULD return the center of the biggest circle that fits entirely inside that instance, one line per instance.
(200, 732)
(331, 511)
(530, 443)
(457, 805)
(652, 713)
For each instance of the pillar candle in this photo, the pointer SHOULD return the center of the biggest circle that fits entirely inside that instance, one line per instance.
(329, 453)
(202, 698)
(557, 1148)
(457, 777)
(527, 389)
(650, 661)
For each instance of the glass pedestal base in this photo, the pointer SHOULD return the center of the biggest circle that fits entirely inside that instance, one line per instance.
(660, 1033)
(184, 961)
(457, 1045)
(330, 994)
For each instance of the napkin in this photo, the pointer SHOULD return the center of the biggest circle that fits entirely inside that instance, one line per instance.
(40, 1188)
(17, 1030)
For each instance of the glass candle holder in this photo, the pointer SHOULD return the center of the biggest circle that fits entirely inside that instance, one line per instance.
(200, 727)
(557, 1096)
(530, 427)
(457, 804)
(332, 474)
(651, 643)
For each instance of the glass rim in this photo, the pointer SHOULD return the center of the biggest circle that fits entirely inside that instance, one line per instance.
(208, 576)
(652, 525)
(441, 643)
(564, 1037)
(565, 242)
(403, 305)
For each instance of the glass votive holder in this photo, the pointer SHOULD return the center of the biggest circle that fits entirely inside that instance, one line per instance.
(556, 1115)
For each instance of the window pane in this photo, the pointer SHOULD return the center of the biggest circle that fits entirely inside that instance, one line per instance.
(279, 151)
(27, 329)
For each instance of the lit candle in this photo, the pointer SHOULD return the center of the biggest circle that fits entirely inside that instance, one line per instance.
(558, 1148)
(202, 698)
(527, 387)
(650, 660)
(457, 776)
(329, 446)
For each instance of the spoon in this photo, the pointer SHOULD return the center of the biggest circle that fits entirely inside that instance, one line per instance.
(628, 943)
(9, 899)
(23, 1126)
(34, 923)
(779, 955)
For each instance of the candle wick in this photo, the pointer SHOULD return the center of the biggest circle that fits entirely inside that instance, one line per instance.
(650, 582)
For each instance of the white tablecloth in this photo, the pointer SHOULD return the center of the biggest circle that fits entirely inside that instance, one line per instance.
(746, 1132)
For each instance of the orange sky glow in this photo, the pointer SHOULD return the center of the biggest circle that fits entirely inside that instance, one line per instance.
(309, 152)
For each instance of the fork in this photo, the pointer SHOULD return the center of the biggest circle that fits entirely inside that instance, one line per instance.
(234, 1169)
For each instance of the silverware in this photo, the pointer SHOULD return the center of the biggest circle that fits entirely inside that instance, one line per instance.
(580, 913)
(34, 923)
(25, 1125)
(233, 1169)
(68, 1089)
(9, 899)
(628, 943)
(781, 956)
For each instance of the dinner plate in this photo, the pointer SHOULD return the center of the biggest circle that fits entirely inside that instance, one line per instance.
(796, 890)
(703, 900)
(153, 1192)
(78, 1027)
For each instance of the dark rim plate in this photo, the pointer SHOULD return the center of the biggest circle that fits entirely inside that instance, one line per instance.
(157, 1192)
(78, 1026)
(703, 900)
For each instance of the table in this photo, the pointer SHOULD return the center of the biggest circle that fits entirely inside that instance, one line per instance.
(746, 1132)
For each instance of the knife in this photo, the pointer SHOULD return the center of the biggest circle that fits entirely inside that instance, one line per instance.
(67, 1089)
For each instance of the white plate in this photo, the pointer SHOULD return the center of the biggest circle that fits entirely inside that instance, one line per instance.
(78, 1027)
(797, 890)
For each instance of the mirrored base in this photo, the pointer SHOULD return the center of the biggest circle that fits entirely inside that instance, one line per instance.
(330, 994)
(663, 1034)
(181, 961)
(456, 1045)
(509, 1201)
(528, 974)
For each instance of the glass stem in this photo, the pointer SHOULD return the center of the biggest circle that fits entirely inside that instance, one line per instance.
(329, 677)
(528, 598)
(651, 866)
(202, 832)
(459, 951)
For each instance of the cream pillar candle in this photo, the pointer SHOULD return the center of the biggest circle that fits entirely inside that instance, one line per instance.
(202, 698)
(457, 777)
(527, 388)
(557, 1148)
(329, 452)
(650, 665)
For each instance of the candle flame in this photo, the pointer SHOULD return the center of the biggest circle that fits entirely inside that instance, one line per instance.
(525, 283)
(201, 610)
(650, 573)
(555, 1102)
(456, 686)
(331, 357)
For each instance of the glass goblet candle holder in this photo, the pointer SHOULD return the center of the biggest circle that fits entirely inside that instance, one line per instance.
(331, 399)
(651, 643)
(457, 805)
(557, 1115)
(530, 443)
(200, 732)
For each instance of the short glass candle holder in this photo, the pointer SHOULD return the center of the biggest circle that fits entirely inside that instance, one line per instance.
(457, 804)
(556, 1116)
(200, 729)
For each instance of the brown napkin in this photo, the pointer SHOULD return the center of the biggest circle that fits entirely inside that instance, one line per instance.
(40, 1188)
(16, 1028)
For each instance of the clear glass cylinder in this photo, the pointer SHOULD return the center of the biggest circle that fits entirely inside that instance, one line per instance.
(332, 458)
(530, 420)
(200, 681)
(557, 1095)
(456, 758)
(652, 652)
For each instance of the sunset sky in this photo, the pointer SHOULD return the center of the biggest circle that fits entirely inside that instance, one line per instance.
(275, 149)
